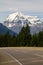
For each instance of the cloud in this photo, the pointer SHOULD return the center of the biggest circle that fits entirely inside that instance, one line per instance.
(27, 6)
(30, 5)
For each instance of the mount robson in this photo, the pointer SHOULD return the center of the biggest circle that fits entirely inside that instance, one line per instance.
(15, 21)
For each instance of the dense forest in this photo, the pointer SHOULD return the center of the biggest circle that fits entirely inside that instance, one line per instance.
(24, 38)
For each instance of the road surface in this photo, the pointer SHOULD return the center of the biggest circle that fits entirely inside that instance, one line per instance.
(21, 56)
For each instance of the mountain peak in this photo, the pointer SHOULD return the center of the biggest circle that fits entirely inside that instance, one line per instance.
(13, 15)
(19, 19)
(15, 21)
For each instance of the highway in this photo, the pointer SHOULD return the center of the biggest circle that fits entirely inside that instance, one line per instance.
(21, 55)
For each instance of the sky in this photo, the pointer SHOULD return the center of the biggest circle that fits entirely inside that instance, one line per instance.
(28, 7)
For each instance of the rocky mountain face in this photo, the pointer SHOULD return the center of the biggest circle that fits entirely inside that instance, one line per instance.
(17, 20)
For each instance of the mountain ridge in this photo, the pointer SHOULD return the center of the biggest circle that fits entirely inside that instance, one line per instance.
(4, 30)
(16, 21)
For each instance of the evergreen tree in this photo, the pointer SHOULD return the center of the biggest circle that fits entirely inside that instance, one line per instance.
(24, 37)
(14, 40)
(35, 40)
(40, 37)
(2, 40)
(21, 37)
(27, 35)
(8, 39)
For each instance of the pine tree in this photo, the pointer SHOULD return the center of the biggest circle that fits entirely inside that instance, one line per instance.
(8, 39)
(14, 41)
(24, 37)
(27, 35)
(40, 37)
(35, 40)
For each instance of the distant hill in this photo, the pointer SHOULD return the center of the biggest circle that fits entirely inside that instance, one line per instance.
(4, 30)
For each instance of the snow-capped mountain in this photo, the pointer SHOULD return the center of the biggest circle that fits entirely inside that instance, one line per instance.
(16, 20)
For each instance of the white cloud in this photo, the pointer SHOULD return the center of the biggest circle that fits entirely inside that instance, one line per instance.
(31, 5)
(22, 5)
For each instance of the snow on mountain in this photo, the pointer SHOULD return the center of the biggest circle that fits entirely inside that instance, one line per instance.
(16, 20)
(14, 16)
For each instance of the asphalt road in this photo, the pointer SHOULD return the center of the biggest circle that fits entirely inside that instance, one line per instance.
(21, 56)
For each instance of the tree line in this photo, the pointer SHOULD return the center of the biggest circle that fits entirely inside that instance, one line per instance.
(24, 38)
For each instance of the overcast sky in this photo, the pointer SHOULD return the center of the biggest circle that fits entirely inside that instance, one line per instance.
(30, 7)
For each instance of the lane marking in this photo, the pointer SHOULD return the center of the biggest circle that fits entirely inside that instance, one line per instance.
(39, 55)
(14, 59)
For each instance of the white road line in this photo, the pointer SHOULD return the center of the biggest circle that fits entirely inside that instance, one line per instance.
(39, 55)
(14, 59)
